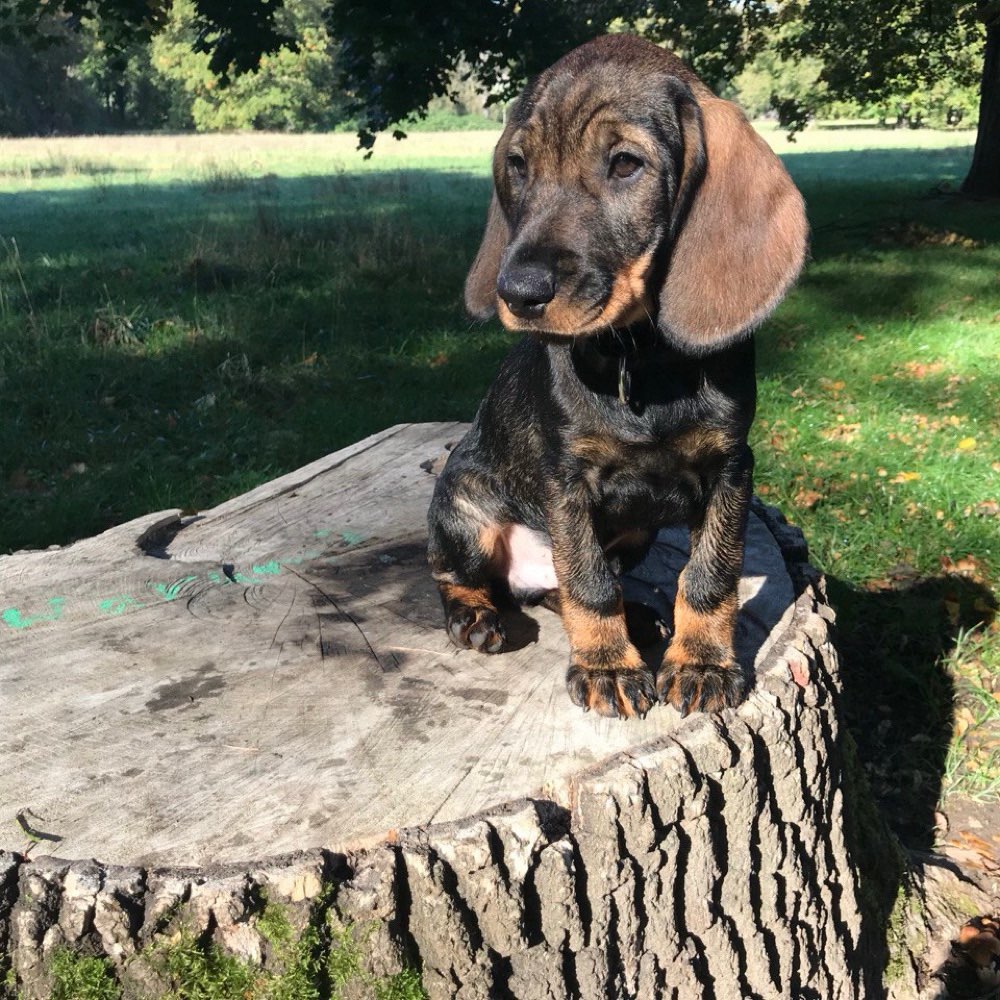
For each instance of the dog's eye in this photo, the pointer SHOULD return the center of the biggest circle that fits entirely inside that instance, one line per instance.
(624, 165)
(517, 163)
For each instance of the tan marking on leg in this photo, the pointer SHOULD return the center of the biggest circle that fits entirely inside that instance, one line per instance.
(699, 671)
(600, 641)
(702, 636)
(470, 597)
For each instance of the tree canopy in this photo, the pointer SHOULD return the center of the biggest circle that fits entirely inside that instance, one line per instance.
(397, 58)
(381, 64)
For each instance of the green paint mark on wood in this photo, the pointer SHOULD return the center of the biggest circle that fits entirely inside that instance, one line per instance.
(171, 591)
(13, 618)
(259, 572)
(118, 604)
(272, 568)
(351, 537)
(322, 533)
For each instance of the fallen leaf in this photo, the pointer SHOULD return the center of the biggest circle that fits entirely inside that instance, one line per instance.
(21, 481)
(967, 444)
(807, 498)
(968, 566)
(964, 721)
(979, 944)
(916, 234)
(920, 369)
(840, 432)
(967, 839)
(905, 477)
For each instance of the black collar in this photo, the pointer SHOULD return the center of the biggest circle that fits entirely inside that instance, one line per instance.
(608, 362)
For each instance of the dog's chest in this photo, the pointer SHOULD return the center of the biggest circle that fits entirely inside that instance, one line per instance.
(652, 483)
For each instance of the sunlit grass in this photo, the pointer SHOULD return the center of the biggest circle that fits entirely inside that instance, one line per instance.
(972, 765)
(234, 159)
(86, 161)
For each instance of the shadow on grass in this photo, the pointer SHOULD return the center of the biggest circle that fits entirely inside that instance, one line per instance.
(898, 701)
(898, 705)
(236, 337)
(898, 696)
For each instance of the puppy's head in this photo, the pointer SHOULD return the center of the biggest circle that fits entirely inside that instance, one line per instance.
(624, 189)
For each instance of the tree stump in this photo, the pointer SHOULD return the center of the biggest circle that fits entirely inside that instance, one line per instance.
(260, 702)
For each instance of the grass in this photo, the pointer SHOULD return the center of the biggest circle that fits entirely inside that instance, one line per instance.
(81, 977)
(972, 765)
(182, 318)
(322, 962)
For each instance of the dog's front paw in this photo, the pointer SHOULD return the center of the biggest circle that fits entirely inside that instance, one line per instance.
(700, 687)
(618, 692)
(476, 628)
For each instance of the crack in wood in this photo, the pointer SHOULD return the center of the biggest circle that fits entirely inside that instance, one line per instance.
(341, 611)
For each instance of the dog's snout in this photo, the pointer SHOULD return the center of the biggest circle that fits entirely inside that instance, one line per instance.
(526, 290)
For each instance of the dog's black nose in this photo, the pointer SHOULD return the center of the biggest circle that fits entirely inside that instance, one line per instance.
(526, 290)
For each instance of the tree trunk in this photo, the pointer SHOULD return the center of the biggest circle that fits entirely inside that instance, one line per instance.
(183, 693)
(983, 179)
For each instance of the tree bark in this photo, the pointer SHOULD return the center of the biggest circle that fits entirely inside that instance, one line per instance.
(983, 179)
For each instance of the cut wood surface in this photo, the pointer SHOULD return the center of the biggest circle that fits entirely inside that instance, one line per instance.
(273, 674)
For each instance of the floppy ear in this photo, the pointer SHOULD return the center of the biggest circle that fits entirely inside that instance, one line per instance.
(742, 241)
(481, 284)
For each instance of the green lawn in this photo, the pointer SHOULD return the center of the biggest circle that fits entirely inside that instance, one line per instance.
(184, 317)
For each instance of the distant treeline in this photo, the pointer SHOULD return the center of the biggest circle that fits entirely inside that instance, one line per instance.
(71, 84)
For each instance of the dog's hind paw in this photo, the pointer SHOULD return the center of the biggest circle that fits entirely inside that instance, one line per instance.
(700, 687)
(476, 628)
(625, 692)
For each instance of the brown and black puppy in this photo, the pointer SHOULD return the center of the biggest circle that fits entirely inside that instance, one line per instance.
(639, 231)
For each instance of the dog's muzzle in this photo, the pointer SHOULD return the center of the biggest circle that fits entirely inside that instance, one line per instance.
(527, 290)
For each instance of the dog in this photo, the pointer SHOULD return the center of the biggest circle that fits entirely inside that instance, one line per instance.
(639, 231)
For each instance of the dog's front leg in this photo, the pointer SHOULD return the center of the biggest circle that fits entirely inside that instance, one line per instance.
(700, 671)
(606, 672)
